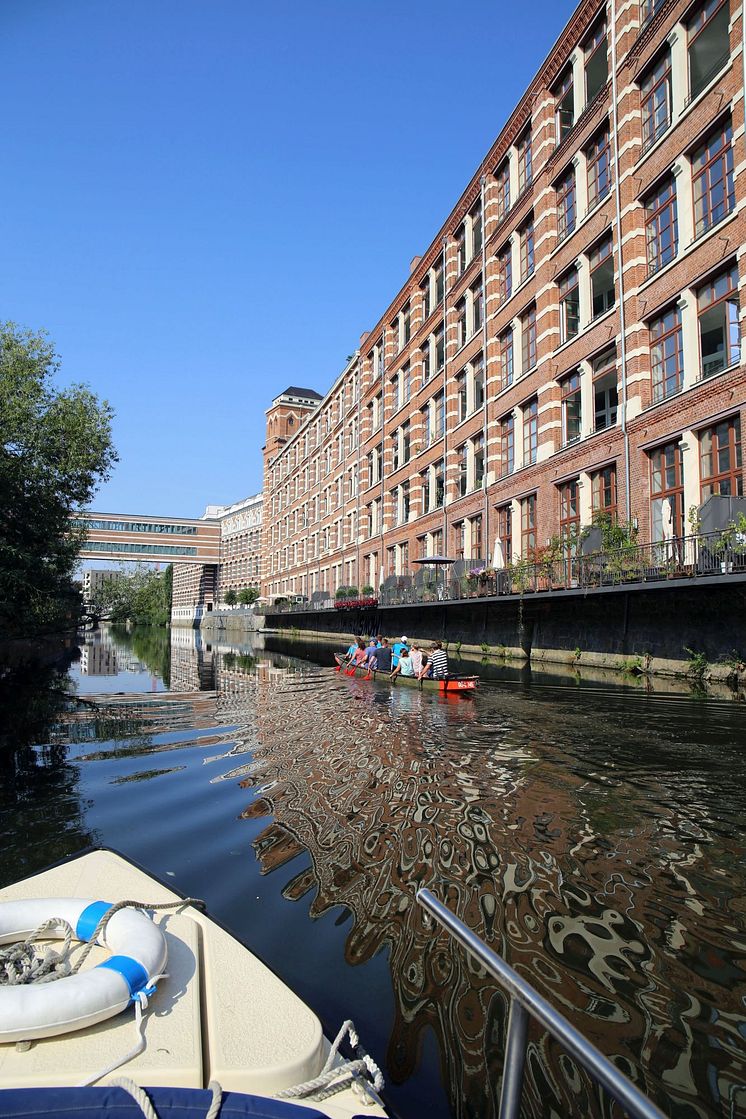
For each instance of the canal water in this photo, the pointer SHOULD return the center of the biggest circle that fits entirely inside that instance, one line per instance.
(592, 833)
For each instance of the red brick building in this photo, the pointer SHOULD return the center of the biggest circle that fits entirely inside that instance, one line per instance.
(570, 341)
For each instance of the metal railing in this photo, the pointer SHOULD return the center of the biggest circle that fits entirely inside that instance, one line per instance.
(684, 557)
(525, 1003)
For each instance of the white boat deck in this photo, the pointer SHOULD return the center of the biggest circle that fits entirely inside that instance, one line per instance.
(221, 1014)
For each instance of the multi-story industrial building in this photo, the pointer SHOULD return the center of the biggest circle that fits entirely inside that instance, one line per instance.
(197, 588)
(568, 344)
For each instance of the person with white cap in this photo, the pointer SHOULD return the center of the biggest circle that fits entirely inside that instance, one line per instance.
(402, 643)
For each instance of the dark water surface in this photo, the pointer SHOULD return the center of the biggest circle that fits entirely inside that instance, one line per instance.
(593, 834)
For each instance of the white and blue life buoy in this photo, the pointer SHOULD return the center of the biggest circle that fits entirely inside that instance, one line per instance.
(138, 956)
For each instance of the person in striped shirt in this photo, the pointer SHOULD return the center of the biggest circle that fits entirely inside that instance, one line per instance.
(438, 662)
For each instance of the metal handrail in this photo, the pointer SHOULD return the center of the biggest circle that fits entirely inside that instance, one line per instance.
(526, 1002)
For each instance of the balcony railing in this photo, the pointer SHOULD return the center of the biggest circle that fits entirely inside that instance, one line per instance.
(685, 557)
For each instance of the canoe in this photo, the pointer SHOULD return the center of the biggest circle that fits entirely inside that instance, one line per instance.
(451, 684)
(218, 1014)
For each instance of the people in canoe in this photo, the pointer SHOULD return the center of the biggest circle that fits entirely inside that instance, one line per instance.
(401, 659)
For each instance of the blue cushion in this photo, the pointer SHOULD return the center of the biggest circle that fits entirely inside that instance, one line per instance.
(115, 1103)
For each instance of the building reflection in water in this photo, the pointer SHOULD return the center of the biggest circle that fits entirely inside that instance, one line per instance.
(591, 897)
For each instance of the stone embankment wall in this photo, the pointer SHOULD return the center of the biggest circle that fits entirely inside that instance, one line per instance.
(676, 629)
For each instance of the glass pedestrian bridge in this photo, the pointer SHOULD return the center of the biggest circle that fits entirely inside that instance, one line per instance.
(155, 539)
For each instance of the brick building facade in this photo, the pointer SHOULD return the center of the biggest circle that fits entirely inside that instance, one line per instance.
(197, 588)
(569, 344)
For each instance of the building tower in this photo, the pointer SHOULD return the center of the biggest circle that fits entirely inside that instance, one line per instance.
(284, 417)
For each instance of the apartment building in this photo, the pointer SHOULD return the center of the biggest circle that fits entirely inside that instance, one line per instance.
(568, 345)
(198, 588)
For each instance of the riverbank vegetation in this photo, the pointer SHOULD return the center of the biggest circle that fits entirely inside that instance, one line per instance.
(138, 594)
(55, 450)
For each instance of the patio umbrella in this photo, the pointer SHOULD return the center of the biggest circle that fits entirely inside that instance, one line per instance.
(436, 562)
(667, 519)
(498, 555)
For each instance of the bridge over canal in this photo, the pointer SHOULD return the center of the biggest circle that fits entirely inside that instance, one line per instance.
(119, 536)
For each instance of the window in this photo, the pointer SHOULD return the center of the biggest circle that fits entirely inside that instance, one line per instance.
(507, 445)
(569, 305)
(461, 249)
(571, 408)
(596, 63)
(720, 460)
(661, 230)
(406, 443)
(525, 171)
(528, 525)
(427, 297)
(427, 369)
(506, 358)
(502, 177)
(477, 448)
(405, 326)
(656, 100)
(712, 179)
(425, 488)
(439, 285)
(476, 306)
(605, 399)
(476, 537)
(566, 211)
(461, 395)
(459, 538)
(667, 491)
(648, 9)
(530, 431)
(478, 376)
(504, 535)
(709, 44)
(719, 335)
(528, 339)
(436, 539)
(602, 277)
(569, 517)
(476, 230)
(527, 249)
(439, 415)
(440, 486)
(422, 546)
(405, 383)
(603, 491)
(440, 351)
(564, 106)
(505, 273)
(426, 426)
(667, 354)
(462, 454)
(461, 322)
(405, 502)
(599, 167)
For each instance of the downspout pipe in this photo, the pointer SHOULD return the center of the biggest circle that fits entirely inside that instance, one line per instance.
(620, 262)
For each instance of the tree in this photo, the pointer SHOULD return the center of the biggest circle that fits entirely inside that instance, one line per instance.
(55, 449)
(247, 595)
(138, 595)
(230, 598)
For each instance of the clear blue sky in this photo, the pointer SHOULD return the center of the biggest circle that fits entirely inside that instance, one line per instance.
(205, 201)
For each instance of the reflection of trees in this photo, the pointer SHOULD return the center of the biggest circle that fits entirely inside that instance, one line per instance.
(385, 798)
(34, 776)
(150, 644)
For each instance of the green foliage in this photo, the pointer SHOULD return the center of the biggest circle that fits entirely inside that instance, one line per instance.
(248, 595)
(457, 649)
(138, 595)
(733, 537)
(698, 663)
(367, 589)
(615, 535)
(230, 598)
(55, 449)
(485, 647)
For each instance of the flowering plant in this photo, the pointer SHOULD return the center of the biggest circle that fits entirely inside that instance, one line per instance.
(355, 603)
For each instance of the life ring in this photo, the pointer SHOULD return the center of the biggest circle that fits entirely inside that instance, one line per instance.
(139, 954)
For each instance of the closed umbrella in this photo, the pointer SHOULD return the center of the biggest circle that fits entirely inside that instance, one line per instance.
(498, 555)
